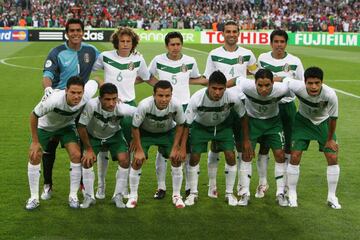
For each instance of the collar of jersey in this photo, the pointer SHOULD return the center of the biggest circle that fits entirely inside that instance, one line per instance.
(67, 46)
(237, 47)
(279, 58)
(167, 55)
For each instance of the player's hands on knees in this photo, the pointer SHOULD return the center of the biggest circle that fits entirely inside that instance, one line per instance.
(139, 157)
(247, 151)
(132, 147)
(174, 155)
(88, 158)
(182, 154)
(331, 144)
(35, 152)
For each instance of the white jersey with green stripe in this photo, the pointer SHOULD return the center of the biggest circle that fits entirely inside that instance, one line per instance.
(178, 73)
(289, 66)
(103, 124)
(154, 120)
(122, 71)
(54, 112)
(262, 107)
(207, 112)
(315, 108)
(231, 64)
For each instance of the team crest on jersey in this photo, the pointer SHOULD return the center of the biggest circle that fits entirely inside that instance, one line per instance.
(286, 67)
(240, 60)
(48, 63)
(184, 68)
(86, 58)
(131, 66)
(323, 104)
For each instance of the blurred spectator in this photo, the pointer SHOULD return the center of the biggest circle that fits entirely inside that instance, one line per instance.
(295, 15)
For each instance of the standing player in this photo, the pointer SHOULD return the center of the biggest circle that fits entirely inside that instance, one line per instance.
(158, 121)
(234, 61)
(181, 71)
(315, 120)
(281, 64)
(208, 113)
(122, 67)
(55, 117)
(99, 129)
(262, 106)
(69, 59)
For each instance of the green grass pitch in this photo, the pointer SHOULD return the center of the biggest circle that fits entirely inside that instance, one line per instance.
(21, 89)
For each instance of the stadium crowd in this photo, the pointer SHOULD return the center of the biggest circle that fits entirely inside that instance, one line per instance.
(298, 15)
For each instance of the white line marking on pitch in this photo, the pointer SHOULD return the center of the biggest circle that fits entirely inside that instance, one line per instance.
(3, 61)
(346, 93)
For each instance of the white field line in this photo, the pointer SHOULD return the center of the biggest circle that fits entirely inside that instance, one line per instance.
(3, 61)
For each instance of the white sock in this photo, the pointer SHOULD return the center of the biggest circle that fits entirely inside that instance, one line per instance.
(34, 178)
(186, 170)
(160, 170)
(212, 165)
(88, 180)
(245, 176)
(102, 166)
(134, 179)
(293, 172)
(177, 177)
(262, 165)
(230, 176)
(121, 176)
(332, 173)
(194, 178)
(238, 159)
(75, 177)
(279, 178)
(287, 161)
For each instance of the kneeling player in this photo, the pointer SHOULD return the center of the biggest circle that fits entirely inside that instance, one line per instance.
(55, 117)
(158, 121)
(99, 129)
(315, 120)
(209, 115)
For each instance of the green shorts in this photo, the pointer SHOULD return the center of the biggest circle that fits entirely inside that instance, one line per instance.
(164, 141)
(287, 115)
(222, 137)
(115, 144)
(65, 135)
(126, 124)
(266, 131)
(236, 126)
(304, 131)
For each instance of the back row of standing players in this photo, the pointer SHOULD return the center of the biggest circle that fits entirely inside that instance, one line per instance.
(264, 105)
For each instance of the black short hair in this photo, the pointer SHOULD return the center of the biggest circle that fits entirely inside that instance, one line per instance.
(279, 32)
(217, 77)
(73, 21)
(163, 84)
(107, 88)
(75, 80)
(264, 73)
(314, 72)
(171, 35)
(231, 22)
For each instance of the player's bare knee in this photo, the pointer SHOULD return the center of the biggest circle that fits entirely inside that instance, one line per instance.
(295, 157)
(194, 159)
(331, 158)
(175, 163)
(75, 156)
(230, 158)
(279, 156)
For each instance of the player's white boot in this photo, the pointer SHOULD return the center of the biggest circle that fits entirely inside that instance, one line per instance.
(132, 202)
(47, 192)
(261, 190)
(334, 203)
(281, 200)
(118, 200)
(88, 201)
(100, 193)
(244, 200)
(178, 202)
(191, 199)
(212, 192)
(231, 199)
(32, 203)
(293, 201)
(74, 202)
